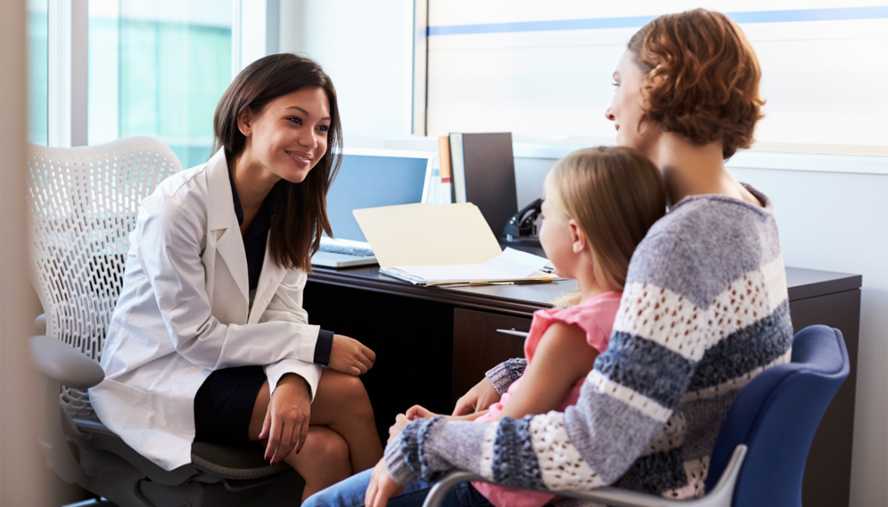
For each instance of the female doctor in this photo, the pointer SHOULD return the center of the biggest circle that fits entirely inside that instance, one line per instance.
(209, 340)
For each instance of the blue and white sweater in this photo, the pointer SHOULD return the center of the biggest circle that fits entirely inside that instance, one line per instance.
(705, 309)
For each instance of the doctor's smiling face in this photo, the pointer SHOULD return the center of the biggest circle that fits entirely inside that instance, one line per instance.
(278, 126)
(288, 136)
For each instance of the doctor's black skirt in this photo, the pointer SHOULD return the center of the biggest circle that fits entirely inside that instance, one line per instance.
(224, 404)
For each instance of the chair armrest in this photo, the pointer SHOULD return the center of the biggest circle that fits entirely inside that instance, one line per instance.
(40, 324)
(64, 364)
(720, 496)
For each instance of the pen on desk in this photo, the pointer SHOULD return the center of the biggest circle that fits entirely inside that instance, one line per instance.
(479, 284)
(469, 284)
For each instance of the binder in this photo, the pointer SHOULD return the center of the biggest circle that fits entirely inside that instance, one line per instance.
(483, 173)
(445, 189)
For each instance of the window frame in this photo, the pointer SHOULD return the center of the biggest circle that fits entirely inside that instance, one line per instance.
(67, 72)
(68, 60)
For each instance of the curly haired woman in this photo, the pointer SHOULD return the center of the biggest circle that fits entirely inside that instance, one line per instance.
(704, 307)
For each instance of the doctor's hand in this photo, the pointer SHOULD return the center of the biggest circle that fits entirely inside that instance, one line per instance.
(287, 418)
(479, 398)
(350, 356)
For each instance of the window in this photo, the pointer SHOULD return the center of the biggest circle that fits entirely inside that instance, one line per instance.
(158, 69)
(38, 65)
(104, 69)
(545, 74)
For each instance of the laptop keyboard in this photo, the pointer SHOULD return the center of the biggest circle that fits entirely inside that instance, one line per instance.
(356, 251)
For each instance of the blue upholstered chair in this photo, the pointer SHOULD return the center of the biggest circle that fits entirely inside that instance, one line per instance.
(759, 455)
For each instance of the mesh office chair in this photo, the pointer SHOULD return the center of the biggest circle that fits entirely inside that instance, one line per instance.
(83, 204)
(760, 452)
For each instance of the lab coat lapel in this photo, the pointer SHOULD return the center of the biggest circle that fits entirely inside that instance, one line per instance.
(223, 223)
(269, 280)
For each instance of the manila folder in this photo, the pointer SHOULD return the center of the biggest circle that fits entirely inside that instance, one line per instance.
(428, 234)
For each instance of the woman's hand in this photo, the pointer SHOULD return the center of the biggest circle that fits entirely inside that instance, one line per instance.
(479, 398)
(287, 418)
(382, 486)
(350, 356)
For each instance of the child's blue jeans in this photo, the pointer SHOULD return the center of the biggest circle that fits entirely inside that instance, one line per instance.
(350, 493)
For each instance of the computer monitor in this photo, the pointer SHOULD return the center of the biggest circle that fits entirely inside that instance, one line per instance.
(373, 178)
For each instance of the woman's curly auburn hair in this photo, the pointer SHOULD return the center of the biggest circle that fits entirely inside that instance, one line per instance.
(702, 78)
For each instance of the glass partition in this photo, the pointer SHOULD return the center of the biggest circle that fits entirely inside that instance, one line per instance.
(158, 69)
(38, 71)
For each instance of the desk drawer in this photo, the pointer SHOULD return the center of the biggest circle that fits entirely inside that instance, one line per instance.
(478, 346)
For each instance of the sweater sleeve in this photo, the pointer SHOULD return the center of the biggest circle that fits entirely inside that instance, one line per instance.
(624, 402)
(502, 375)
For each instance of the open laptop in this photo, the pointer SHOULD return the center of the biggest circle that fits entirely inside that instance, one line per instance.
(369, 179)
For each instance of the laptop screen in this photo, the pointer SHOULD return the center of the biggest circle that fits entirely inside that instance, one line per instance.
(370, 180)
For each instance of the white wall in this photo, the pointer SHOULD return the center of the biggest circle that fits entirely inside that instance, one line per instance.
(367, 49)
(23, 477)
(839, 222)
(828, 221)
(529, 176)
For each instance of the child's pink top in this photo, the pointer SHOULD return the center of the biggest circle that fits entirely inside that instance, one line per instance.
(595, 316)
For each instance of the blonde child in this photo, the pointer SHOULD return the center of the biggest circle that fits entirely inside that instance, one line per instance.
(599, 204)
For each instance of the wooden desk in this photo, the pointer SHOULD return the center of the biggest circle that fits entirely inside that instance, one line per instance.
(433, 344)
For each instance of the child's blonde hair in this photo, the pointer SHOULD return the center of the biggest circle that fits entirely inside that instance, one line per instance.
(615, 194)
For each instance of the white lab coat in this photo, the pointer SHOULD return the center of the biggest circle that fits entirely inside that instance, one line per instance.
(184, 312)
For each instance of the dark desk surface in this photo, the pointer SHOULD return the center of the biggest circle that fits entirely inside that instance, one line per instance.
(525, 299)
(808, 283)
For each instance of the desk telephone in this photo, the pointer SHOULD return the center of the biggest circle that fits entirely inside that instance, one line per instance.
(521, 229)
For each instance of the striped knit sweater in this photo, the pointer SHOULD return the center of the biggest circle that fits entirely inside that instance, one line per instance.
(704, 310)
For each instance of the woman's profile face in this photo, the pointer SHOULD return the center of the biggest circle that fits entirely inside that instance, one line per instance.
(627, 106)
(289, 136)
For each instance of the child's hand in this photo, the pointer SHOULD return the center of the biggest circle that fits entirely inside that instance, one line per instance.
(468, 417)
(419, 412)
(396, 429)
(480, 397)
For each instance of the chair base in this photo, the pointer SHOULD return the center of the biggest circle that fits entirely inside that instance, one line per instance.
(219, 476)
(117, 480)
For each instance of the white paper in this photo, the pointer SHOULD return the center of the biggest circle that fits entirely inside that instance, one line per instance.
(522, 264)
(510, 265)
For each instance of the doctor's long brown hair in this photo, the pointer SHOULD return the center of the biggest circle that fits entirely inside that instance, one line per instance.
(300, 209)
